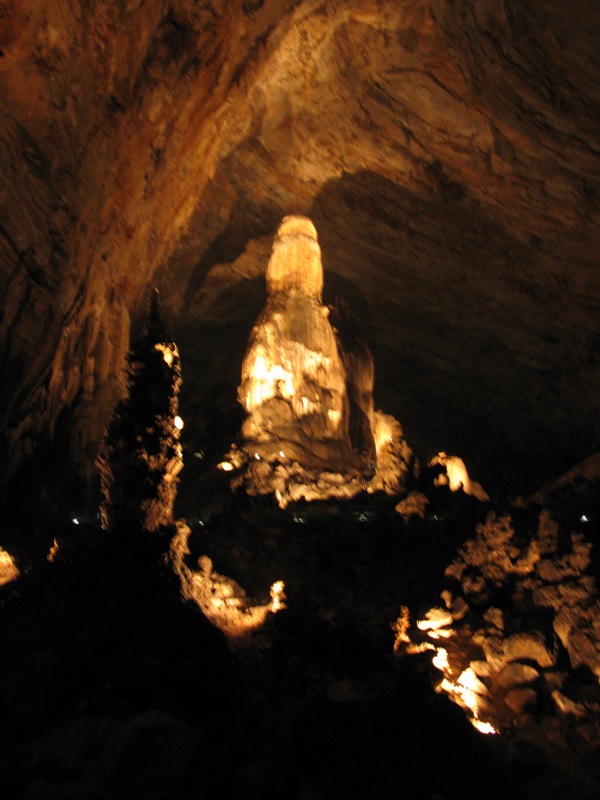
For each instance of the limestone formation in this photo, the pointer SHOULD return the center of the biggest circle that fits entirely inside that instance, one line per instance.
(295, 261)
(293, 380)
(519, 653)
(456, 476)
(222, 600)
(8, 569)
(140, 455)
(311, 430)
(526, 654)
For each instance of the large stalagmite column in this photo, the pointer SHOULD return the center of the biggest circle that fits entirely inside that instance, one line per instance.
(309, 429)
(293, 378)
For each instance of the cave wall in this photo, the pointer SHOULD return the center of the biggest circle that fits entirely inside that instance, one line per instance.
(448, 153)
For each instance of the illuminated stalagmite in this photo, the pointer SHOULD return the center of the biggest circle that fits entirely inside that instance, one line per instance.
(293, 378)
(516, 639)
(310, 430)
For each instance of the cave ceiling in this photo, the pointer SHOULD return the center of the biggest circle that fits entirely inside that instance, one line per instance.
(448, 153)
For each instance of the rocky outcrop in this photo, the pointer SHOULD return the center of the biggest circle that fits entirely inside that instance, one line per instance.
(517, 639)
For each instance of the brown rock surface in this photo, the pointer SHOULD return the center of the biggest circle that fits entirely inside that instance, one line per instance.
(448, 154)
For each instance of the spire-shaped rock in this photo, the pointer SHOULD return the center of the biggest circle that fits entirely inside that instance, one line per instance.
(309, 426)
(140, 455)
(293, 378)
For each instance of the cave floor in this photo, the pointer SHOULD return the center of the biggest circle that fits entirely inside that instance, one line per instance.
(114, 687)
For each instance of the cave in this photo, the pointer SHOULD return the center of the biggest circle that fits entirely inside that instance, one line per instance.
(447, 155)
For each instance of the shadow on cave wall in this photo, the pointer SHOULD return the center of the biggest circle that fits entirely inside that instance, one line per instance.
(245, 222)
(212, 351)
(422, 274)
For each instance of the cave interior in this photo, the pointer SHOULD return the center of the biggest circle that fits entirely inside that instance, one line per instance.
(395, 636)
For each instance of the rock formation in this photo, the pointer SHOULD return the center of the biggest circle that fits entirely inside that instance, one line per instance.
(8, 570)
(140, 455)
(456, 476)
(293, 377)
(448, 153)
(221, 599)
(310, 429)
(516, 639)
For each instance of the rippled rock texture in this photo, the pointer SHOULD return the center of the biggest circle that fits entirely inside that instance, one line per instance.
(447, 153)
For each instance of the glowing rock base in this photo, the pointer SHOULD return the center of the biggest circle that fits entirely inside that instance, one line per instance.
(523, 617)
(310, 432)
(8, 569)
(223, 601)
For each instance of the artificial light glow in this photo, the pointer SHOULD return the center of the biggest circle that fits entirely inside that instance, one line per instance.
(279, 375)
(457, 477)
(225, 466)
(468, 699)
(8, 569)
(75, 521)
(334, 415)
(223, 601)
(383, 430)
(469, 680)
(277, 596)
(440, 659)
(178, 422)
(268, 380)
(467, 690)
(53, 551)
(167, 353)
(308, 407)
(483, 727)
(436, 618)
(441, 633)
